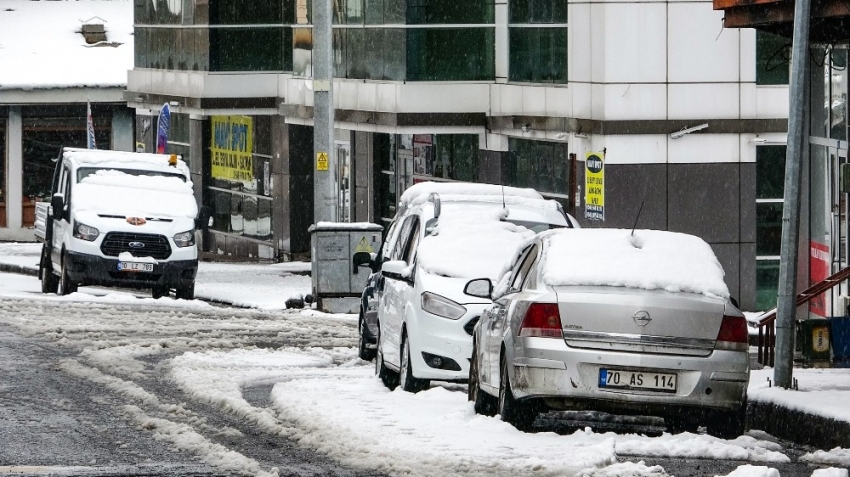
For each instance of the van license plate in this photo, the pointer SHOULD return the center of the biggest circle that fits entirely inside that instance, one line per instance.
(637, 380)
(135, 267)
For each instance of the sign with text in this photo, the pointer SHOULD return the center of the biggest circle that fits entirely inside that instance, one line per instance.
(594, 178)
(819, 270)
(232, 146)
(321, 161)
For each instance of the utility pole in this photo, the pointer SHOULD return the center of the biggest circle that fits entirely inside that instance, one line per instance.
(786, 309)
(324, 175)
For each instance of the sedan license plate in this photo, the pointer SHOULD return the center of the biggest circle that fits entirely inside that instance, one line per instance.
(135, 267)
(637, 380)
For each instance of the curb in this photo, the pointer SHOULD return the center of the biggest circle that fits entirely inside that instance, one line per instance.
(9, 268)
(799, 427)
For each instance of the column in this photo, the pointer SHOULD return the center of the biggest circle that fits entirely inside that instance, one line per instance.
(14, 168)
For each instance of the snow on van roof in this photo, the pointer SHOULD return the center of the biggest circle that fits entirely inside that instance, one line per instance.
(470, 192)
(472, 242)
(651, 260)
(125, 160)
(118, 193)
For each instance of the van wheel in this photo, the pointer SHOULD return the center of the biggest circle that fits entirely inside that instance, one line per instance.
(66, 286)
(49, 281)
(185, 293)
(159, 292)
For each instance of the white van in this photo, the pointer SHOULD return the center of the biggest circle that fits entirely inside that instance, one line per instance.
(119, 219)
(444, 235)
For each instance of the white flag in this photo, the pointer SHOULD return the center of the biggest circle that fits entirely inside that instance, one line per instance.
(90, 127)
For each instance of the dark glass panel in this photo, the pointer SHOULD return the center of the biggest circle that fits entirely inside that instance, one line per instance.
(449, 11)
(464, 157)
(140, 47)
(262, 136)
(287, 48)
(538, 55)
(394, 12)
(768, 228)
(541, 165)
(347, 12)
(201, 13)
(838, 100)
(773, 54)
(770, 172)
(164, 15)
(450, 54)
(302, 51)
(246, 49)
(394, 58)
(201, 61)
(179, 131)
(373, 11)
(767, 284)
(537, 11)
(340, 47)
(240, 12)
(819, 82)
(141, 12)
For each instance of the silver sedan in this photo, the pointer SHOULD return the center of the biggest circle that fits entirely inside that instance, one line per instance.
(621, 347)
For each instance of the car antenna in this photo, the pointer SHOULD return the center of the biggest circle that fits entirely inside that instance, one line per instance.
(503, 197)
(636, 218)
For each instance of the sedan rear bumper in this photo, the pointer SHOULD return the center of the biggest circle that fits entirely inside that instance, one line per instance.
(568, 378)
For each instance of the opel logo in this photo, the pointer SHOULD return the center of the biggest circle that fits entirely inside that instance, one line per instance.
(136, 245)
(642, 318)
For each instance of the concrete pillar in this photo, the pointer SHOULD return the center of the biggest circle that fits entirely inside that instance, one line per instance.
(122, 129)
(14, 168)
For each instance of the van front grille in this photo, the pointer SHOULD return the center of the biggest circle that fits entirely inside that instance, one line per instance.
(143, 245)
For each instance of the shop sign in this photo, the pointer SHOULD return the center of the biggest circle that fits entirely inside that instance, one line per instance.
(819, 270)
(594, 198)
(232, 146)
(322, 161)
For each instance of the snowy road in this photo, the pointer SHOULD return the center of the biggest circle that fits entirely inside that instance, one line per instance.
(216, 390)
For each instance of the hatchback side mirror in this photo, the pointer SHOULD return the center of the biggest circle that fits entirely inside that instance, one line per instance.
(480, 288)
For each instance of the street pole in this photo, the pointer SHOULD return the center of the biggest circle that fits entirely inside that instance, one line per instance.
(786, 309)
(324, 176)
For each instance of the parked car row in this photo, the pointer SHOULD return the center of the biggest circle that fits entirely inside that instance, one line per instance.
(499, 288)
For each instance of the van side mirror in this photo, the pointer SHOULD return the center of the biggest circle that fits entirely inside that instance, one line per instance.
(57, 203)
(203, 220)
(480, 288)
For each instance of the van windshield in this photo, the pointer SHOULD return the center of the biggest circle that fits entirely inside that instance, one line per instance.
(84, 172)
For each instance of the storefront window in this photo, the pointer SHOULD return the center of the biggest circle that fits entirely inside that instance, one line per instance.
(433, 12)
(240, 176)
(770, 186)
(540, 165)
(246, 49)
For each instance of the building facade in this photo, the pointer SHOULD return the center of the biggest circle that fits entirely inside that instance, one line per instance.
(513, 92)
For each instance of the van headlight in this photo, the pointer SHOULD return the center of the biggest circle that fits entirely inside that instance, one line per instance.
(442, 306)
(185, 239)
(85, 232)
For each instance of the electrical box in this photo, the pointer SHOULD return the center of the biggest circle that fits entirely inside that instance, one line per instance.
(341, 254)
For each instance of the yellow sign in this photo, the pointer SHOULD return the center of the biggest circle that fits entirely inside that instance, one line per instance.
(594, 195)
(232, 146)
(321, 161)
(363, 246)
(820, 339)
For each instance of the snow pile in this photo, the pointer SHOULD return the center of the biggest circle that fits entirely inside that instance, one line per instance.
(41, 45)
(625, 469)
(471, 242)
(753, 471)
(103, 159)
(422, 190)
(649, 259)
(836, 456)
(822, 392)
(118, 193)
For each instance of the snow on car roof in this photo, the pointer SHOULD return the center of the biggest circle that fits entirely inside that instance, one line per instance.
(114, 192)
(125, 160)
(649, 259)
(465, 191)
(471, 242)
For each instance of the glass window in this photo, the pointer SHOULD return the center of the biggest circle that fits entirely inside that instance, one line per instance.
(141, 47)
(450, 54)
(348, 12)
(449, 12)
(770, 186)
(773, 54)
(768, 228)
(537, 11)
(540, 165)
(302, 52)
(767, 283)
(239, 12)
(770, 172)
(246, 49)
(838, 94)
(819, 84)
(538, 55)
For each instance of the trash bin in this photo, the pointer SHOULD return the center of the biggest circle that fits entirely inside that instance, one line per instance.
(839, 333)
(340, 255)
(813, 340)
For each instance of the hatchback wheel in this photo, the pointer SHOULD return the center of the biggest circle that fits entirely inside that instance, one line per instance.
(388, 376)
(406, 379)
(520, 415)
(483, 403)
(728, 424)
(365, 353)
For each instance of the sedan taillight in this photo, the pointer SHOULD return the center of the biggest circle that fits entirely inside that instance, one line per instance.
(733, 334)
(542, 320)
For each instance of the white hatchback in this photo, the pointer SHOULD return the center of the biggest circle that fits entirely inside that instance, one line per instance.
(446, 235)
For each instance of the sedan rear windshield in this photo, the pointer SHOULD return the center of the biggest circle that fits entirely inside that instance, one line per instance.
(84, 172)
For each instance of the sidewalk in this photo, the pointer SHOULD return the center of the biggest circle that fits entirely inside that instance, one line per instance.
(816, 414)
